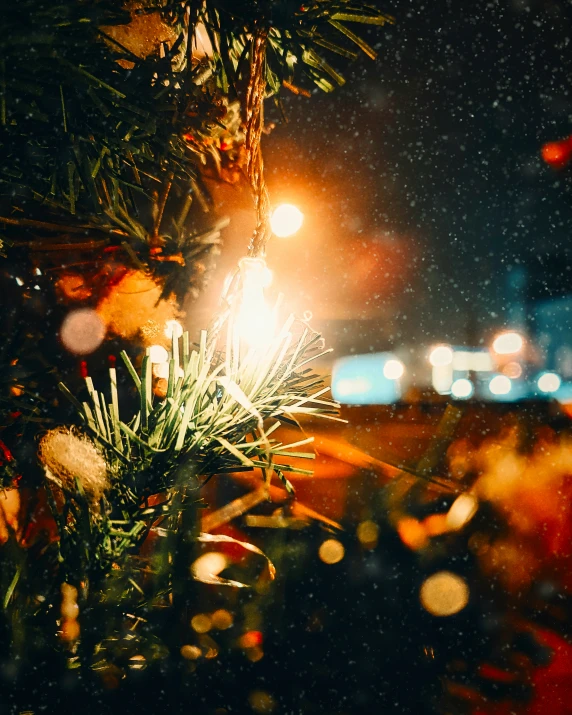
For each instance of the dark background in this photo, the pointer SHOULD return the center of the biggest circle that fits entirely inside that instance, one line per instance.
(421, 179)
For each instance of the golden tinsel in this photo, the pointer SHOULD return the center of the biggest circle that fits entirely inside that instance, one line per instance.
(144, 35)
(67, 454)
(134, 308)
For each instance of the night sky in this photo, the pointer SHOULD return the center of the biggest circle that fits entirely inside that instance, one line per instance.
(421, 179)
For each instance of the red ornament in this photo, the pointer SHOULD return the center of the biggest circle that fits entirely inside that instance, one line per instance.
(557, 154)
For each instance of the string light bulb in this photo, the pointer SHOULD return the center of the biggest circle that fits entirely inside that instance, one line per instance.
(286, 220)
(255, 320)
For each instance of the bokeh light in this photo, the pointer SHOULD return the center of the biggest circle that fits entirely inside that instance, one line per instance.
(331, 551)
(393, 369)
(201, 623)
(82, 331)
(444, 594)
(209, 565)
(549, 382)
(173, 329)
(513, 370)
(500, 385)
(462, 388)
(158, 354)
(441, 355)
(462, 511)
(508, 343)
(286, 220)
(368, 534)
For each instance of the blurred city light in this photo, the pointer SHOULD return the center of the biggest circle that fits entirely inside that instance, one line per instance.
(462, 388)
(441, 355)
(500, 385)
(549, 382)
(286, 220)
(363, 379)
(508, 343)
(393, 369)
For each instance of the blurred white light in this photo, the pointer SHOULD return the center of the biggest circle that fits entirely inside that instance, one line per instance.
(352, 386)
(254, 321)
(441, 355)
(173, 329)
(393, 369)
(161, 370)
(462, 510)
(158, 354)
(442, 378)
(462, 388)
(500, 385)
(508, 343)
(462, 360)
(286, 220)
(549, 382)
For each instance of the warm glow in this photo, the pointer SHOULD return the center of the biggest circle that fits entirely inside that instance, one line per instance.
(512, 370)
(254, 321)
(368, 533)
(444, 594)
(331, 551)
(393, 369)
(508, 343)
(158, 354)
(441, 355)
(462, 511)
(209, 565)
(173, 329)
(462, 388)
(500, 385)
(286, 220)
(549, 382)
(201, 623)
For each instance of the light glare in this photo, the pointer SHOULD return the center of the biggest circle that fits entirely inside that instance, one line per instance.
(286, 220)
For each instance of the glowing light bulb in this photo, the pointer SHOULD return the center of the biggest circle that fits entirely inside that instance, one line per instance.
(286, 220)
(440, 356)
(254, 321)
(393, 369)
(549, 382)
(508, 343)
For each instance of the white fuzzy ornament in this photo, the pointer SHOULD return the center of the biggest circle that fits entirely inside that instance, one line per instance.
(68, 454)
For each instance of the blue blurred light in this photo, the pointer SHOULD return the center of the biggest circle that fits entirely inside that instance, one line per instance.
(360, 380)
